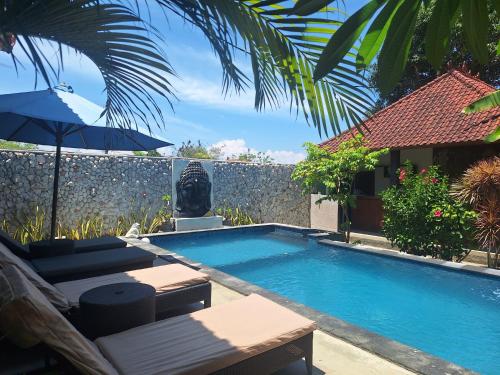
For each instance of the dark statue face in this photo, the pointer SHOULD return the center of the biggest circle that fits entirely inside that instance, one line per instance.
(193, 191)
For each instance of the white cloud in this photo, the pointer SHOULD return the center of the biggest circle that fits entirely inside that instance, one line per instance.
(286, 157)
(210, 94)
(234, 147)
(231, 147)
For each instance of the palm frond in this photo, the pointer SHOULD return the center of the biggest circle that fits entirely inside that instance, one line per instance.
(283, 53)
(135, 70)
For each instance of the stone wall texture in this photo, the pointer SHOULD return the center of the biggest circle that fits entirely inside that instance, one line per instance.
(110, 186)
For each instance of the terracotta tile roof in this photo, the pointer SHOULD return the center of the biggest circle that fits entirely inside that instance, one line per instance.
(430, 116)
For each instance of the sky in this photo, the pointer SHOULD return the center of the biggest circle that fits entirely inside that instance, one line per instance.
(201, 111)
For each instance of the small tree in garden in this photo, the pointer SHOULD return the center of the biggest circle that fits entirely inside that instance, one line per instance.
(480, 187)
(336, 171)
(422, 218)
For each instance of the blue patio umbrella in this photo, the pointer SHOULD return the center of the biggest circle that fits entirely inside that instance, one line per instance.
(60, 118)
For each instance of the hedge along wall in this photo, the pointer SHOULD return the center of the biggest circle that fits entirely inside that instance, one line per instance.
(111, 185)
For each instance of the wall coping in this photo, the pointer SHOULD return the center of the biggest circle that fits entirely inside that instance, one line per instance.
(117, 156)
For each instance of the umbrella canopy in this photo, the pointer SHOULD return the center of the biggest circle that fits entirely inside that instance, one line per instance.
(64, 119)
(41, 116)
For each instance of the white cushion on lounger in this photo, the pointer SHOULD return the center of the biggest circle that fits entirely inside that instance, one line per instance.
(51, 293)
(27, 318)
(205, 341)
(163, 279)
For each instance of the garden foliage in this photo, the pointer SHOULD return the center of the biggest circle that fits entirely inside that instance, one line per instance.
(235, 217)
(336, 171)
(422, 218)
(480, 187)
(34, 225)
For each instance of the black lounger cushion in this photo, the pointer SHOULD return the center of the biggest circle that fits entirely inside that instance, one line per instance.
(16, 247)
(96, 244)
(77, 266)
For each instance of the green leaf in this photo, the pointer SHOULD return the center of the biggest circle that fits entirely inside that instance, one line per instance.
(376, 34)
(308, 7)
(344, 38)
(475, 22)
(494, 136)
(437, 37)
(394, 54)
(486, 102)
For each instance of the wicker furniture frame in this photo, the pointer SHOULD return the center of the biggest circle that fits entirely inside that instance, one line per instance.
(275, 359)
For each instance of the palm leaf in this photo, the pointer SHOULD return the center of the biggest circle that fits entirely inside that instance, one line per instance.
(494, 136)
(386, 33)
(486, 102)
(111, 35)
(284, 52)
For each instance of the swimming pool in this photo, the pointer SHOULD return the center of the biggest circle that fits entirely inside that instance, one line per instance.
(454, 315)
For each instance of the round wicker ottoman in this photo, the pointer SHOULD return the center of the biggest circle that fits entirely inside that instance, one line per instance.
(117, 307)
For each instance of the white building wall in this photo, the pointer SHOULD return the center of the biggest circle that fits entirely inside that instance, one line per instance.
(324, 216)
(421, 157)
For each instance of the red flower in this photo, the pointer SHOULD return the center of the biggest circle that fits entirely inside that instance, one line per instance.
(423, 171)
(434, 180)
(438, 213)
(402, 175)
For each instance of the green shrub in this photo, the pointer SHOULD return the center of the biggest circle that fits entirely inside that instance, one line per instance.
(422, 218)
(235, 217)
(34, 226)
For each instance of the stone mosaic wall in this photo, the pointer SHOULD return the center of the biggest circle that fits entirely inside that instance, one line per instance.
(111, 186)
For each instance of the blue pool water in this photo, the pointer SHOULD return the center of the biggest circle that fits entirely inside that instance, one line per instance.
(453, 315)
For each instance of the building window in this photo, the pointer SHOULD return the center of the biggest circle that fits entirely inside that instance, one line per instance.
(364, 183)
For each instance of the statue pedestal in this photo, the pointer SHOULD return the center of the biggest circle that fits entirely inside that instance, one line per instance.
(183, 224)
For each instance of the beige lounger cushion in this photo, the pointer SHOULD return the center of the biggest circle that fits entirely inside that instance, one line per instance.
(204, 341)
(51, 293)
(27, 318)
(163, 279)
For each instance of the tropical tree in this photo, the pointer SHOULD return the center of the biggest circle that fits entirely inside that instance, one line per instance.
(389, 28)
(336, 172)
(419, 71)
(9, 145)
(154, 153)
(197, 151)
(128, 51)
(250, 157)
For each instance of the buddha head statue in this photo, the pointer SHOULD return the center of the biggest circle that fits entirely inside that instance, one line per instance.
(193, 191)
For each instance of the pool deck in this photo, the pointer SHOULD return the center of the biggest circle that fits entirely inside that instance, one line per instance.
(340, 347)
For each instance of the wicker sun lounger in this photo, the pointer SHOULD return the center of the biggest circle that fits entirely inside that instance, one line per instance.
(77, 266)
(79, 246)
(176, 285)
(251, 335)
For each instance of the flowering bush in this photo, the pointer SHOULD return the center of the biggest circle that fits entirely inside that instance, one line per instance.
(420, 216)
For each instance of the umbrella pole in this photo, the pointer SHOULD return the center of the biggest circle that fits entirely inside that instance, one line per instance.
(56, 187)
